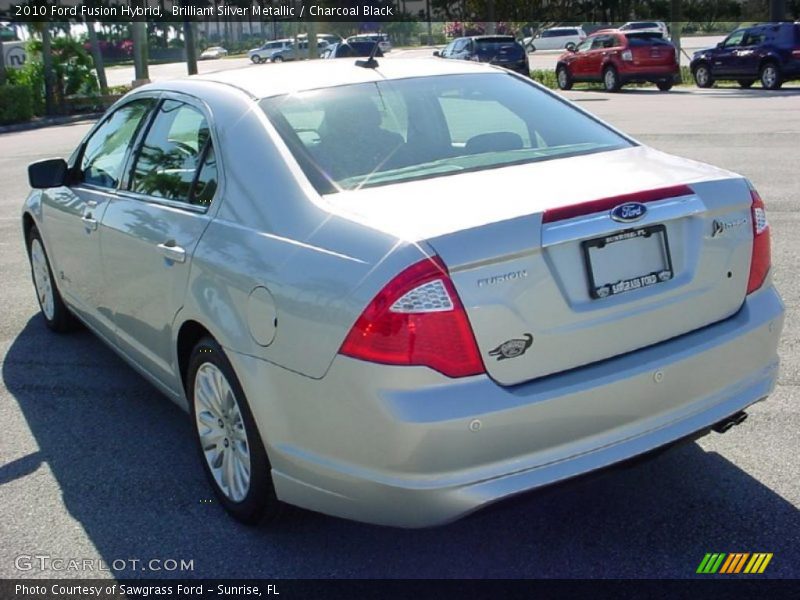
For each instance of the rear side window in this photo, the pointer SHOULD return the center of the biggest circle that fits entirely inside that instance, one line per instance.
(487, 48)
(175, 153)
(104, 154)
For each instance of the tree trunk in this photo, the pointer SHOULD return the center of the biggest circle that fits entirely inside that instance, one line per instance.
(98, 58)
(675, 29)
(311, 30)
(777, 10)
(142, 75)
(2, 64)
(191, 48)
(47, 60)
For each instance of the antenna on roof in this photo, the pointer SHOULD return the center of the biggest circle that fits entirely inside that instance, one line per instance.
(370, 63)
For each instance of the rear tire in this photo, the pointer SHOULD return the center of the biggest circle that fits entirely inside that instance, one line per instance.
(569, 46)
(611, 81)
(746, 83)
(770, 76)
(703, 77)
(230, 446)
(56, 314)
(665, 85)
(563, 78)
(277, 59)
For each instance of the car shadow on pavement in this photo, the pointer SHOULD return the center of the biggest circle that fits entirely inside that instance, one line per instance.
(124, 460)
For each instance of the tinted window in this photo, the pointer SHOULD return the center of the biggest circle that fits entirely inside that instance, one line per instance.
(104, 153)
(172, 150)
(489, 48)
(385, 132)
(735, 38)
(646, 39)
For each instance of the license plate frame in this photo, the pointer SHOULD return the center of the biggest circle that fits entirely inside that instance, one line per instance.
(614, 288)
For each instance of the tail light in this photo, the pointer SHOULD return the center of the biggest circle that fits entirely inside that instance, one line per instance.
(417, 319)
(796, 53)
(627, 55)
(761, 260)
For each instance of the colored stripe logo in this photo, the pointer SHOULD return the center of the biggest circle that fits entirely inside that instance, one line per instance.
(734, 563)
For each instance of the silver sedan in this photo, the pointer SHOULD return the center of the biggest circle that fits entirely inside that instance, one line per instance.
(399, 292)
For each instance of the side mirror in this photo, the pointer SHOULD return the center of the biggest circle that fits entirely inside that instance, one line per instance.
(437, 53)
(47, 173)
(720, 44)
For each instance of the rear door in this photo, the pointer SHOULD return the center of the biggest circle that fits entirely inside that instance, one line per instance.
(150, 231)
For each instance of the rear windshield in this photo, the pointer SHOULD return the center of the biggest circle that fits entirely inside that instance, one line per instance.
(378, 133)
(488, 48)
(646, 39)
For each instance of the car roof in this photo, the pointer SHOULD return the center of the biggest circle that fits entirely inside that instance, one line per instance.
(313, 74)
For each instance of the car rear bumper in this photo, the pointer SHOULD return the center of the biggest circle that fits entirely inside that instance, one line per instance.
(633, 74)
(405, 446)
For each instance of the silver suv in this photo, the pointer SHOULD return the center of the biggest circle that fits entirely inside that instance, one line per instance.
(266, 52)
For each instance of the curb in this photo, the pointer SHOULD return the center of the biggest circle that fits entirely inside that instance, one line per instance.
(49, 122)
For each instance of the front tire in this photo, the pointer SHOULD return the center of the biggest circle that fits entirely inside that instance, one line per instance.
(56, 314)
(231, 450)
(563, 78)
(703, 77)
(611, 81)
(770, 76)
(256, 60)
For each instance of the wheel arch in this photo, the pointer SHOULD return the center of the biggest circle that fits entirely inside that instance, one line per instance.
(28, 223)
(189, 334)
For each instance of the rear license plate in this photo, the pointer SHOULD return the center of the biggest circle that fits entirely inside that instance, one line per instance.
(627, 261)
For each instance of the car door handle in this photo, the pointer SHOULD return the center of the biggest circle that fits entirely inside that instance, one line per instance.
(89, 222)
(172, 252)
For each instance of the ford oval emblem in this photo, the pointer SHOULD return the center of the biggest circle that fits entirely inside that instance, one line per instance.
(628, 212)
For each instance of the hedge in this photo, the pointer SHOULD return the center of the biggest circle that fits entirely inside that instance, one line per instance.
(16, 104)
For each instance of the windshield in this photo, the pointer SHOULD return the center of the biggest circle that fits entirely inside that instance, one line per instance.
(363, 135)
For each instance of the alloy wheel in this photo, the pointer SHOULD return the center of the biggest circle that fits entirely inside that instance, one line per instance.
(222, 433)
(42, 281)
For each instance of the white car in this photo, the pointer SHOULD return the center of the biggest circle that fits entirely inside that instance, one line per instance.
(647, 27)
(213, 52)
(555, 38)
(266, 52)
(382, 38)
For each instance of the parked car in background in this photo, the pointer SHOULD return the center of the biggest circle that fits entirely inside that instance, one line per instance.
(399, 295)
(296, 50)
(265, 52)
(768, 52)
(382, 39)
(345, 49)
(616, 57)
(213, 52)
(647, 27)
(500, 50)
(555, 38)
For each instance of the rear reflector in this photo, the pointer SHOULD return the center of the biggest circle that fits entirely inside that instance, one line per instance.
(761, 259)
(595, 206)
(417, 319)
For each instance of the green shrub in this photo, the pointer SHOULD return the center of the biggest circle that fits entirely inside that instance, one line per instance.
(547, 77)
(16, 104)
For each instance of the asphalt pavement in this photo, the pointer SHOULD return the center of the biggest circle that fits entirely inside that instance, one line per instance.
(96, 464)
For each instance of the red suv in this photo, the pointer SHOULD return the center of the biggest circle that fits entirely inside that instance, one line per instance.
(619, 57)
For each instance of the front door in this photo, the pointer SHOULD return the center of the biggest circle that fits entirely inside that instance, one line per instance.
(725, 58)
(74, 213)
(150, 232)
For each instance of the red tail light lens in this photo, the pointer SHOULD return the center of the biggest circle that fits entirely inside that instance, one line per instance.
(762, 259)
(417, 319)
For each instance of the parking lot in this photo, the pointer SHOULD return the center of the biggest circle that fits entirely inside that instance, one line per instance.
(96, 464)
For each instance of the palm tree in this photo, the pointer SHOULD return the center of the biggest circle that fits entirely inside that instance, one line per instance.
(99, 67)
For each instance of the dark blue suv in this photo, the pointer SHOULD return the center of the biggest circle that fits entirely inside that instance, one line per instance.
(769, 52)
